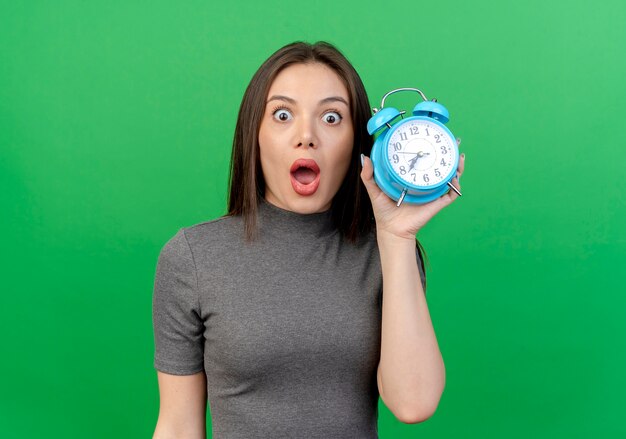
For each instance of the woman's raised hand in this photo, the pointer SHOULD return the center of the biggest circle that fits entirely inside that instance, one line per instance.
(404, 221)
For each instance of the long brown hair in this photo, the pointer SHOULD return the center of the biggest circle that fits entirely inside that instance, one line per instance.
(351, 209)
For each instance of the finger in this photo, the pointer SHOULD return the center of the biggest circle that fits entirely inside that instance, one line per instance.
(461, 166)
(367, 175)
(447, 198)
(454, 182)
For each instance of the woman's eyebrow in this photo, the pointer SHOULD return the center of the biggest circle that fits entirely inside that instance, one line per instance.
(282, 98)
(293, 101)
(334, 99)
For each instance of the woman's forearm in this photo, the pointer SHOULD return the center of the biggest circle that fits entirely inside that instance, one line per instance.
(411, 373)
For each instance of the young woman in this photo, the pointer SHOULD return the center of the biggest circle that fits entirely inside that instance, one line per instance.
(277, 312)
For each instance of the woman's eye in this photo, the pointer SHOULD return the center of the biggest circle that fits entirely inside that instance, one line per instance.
(282, 115)
(332, 117)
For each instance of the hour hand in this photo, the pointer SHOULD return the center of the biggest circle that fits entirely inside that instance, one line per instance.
(414, 159)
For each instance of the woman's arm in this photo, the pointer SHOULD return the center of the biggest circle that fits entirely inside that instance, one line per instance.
(411, 369)
(182, 410)
(411, 373)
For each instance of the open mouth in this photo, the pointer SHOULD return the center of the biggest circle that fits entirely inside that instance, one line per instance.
(305, 176)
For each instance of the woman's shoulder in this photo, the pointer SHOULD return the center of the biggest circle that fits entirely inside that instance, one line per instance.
(213, 224)
(223, 228)
(205, 234)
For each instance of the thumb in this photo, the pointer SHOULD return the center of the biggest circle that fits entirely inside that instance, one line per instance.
(367, 175)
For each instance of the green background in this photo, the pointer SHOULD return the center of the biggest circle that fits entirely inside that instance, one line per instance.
(116, 120)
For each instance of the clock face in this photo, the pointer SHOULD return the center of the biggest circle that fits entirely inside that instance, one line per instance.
(421, 152)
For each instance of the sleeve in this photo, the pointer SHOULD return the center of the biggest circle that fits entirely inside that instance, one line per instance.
(176, 317)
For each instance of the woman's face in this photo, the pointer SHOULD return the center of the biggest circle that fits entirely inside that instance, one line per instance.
(305, 138)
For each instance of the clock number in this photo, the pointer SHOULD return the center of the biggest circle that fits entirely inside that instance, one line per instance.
(427, 132)
(402, 170)
(403, 136)
(437, 138)
(397, 146)
(444, 150)
(396, 159)
(426, 179)
(443, 162)
(437, 173)
(414, 130)
(414, 175)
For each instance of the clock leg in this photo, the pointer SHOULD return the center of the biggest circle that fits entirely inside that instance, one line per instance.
(454, 189)
(401, 199)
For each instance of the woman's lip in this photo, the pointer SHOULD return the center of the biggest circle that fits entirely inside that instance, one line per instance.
(305, 189)
(305, 163)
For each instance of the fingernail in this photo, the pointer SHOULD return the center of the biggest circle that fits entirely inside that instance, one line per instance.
(362, 160)
(463, 155)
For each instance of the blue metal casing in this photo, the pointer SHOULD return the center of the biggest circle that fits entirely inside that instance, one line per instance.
(382, 118)
(391, 183)
(432, 109)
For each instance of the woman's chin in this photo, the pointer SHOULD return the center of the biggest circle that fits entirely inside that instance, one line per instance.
(302, 204)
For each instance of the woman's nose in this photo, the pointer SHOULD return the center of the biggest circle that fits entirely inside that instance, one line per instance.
(305, 134)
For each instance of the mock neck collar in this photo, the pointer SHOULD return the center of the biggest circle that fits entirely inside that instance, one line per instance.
(275, 220)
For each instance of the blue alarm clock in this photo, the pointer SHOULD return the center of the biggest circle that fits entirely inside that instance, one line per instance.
(415, 158)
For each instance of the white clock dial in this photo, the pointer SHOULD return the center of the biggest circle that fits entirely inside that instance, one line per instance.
(421, 152)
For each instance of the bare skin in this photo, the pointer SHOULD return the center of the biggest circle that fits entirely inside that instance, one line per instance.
(182, 410)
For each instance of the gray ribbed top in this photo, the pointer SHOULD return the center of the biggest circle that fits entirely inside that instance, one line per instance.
(286, 328)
